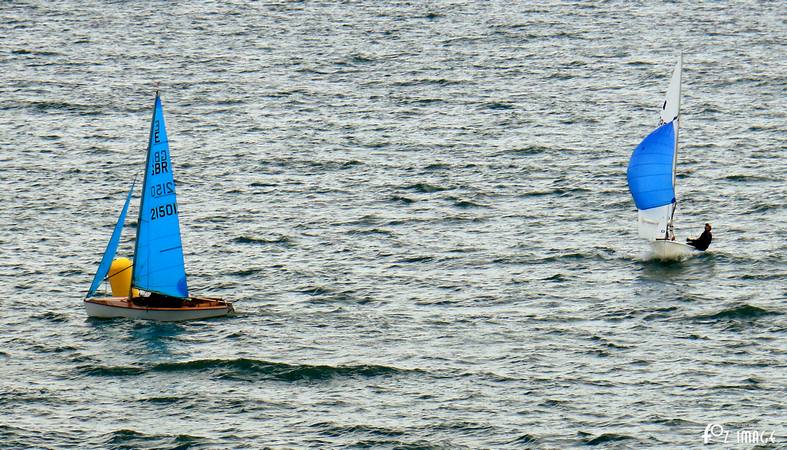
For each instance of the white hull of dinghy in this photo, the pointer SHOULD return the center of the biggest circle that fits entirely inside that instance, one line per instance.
(113, 307)
(668, 250)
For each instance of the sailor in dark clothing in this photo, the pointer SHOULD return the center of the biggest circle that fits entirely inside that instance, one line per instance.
(156, 300)
(703, 242)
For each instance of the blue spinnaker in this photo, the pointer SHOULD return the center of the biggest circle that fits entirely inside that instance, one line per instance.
(158, 259)
(650, 169)
(112, 246)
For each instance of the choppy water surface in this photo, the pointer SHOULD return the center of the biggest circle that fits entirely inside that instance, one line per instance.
(421, 210)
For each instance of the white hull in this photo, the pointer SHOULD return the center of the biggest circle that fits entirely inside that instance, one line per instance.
(107, 308)
(670, 250)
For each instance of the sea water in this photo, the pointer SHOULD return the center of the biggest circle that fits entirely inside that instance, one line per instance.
(420, 210)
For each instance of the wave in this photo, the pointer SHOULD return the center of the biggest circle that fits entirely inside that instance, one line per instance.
(742, 312)
(429, 81)
(525, 439)
(24, 51)
(162, 400)
(640, 63)
(763, 276)
(436, 167)
(333, 429)
(316, 290)
(425, 188)
(463, 426)
(245, 272)
(229, 368)
(358, 58)
(746, 178)
(252, 370)
(673, 422)
(499, 106)
(393, 443)
(537, 193)
(52, 317)
(401, 199)
(111, 371)
(335, 165)
(467, 204)
(566, 191)
(763, 207)
(260, 184)
(48, 106)
(609, 344)
(594, 254)
(371, 231)
(281, 240)
(559, 277)
(606, 438)
(525, 151)
(559, 192)
(415, 259)
(328, 295)
(424, 101)
(749, 384)
(39, 437)
(125, 438)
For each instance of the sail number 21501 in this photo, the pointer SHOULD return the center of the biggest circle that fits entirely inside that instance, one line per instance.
(163, 211)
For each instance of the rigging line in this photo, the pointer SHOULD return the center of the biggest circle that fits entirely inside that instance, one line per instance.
(117, 273)
(670, 224)
(210, 297)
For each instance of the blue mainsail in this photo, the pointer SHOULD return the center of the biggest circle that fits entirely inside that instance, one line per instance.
(650, 169)
(158, 258)
(112, 246)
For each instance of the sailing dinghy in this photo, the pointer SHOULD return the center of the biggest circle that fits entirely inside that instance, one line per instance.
(153, 286)
(651, 177)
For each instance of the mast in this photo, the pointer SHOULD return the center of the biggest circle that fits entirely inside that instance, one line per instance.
(142, 200)
(670, 112)
(679, 70)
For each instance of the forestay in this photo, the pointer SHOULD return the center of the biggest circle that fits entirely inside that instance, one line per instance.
(158, 257)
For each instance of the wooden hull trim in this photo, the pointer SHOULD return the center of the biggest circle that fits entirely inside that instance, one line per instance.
(199, 308)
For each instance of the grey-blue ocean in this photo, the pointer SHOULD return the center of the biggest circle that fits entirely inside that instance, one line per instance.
(421, 212)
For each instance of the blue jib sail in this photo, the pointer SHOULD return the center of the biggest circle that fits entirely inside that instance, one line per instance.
(158, 259)
(112, 246)
(650, 169)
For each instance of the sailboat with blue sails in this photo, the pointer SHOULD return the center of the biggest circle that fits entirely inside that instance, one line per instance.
(651, 177)
(154, 285)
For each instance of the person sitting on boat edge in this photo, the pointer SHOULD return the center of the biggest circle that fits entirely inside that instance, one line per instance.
(702, 242)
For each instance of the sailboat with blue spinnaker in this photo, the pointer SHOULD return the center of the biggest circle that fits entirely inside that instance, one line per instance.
(154, 285)
(651, 177)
